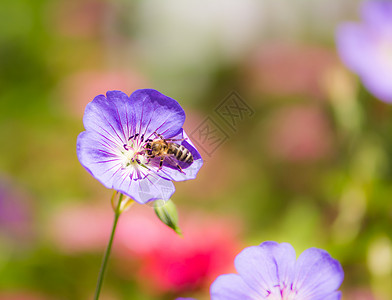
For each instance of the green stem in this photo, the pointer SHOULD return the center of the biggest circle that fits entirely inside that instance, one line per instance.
(105, 259)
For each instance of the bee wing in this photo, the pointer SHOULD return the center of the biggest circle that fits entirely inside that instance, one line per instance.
(171, 161)
(168, 161)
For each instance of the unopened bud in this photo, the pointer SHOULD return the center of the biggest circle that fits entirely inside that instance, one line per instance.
(167, 213)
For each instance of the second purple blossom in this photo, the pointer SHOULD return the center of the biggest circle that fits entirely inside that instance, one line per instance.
(271, 271)
(366, 47)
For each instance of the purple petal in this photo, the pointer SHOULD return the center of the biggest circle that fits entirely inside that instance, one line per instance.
(97, 154)
(155, 112)
(169, 169)
(365, 48)
(333, 296)
(317, 275)
(355, 47)
(267, 267)
(109, 116)
(143, 187)
(360, 49)
(232, 287)
(377, 14)
(379, 84)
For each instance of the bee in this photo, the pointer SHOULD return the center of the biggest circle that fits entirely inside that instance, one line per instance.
(167, 148)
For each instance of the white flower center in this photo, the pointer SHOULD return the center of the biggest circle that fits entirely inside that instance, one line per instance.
(279, 293)
(128, 158)
(132, 155)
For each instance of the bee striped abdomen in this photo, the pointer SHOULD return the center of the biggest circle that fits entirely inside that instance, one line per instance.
(181, 153)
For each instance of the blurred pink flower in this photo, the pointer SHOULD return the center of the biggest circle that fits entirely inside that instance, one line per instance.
(175, 264)
(145, 246)
(289, 69)
(80, 18)
(362, 293)
(300, 134)
(80, 88)
(81, 228)
(19, 295)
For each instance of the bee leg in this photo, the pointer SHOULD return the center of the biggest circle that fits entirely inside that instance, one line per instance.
(180, 169)
(144, 166)
(158, 135)
(174, 140)
(161, 163)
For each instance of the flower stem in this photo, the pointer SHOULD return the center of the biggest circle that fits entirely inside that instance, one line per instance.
(105, 259)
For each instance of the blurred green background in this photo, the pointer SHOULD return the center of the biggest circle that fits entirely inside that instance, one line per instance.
(311, 166)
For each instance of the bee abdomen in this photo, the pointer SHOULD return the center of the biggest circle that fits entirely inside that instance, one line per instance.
(182, 153)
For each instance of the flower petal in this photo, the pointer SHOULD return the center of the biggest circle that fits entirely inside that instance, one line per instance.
(335, 296)
(354, 47)
(378, 83)
(267, 266)
(365, 48)
(97, 154)
(359, 48)
(147, 188)
(169, 169)
(317, 274)
(232, 287)
(377, 14)
(110, 116)
(155, 112)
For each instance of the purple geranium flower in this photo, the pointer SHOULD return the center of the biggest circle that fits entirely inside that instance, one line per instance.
(271, 271)
(116, 147)
(366, 48)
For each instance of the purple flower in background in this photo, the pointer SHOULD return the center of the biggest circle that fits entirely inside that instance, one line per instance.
(16, 212)
(271, 271)
(123, 134)
(366, 48)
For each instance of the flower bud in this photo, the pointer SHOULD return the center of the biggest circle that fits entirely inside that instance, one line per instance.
(167, 213)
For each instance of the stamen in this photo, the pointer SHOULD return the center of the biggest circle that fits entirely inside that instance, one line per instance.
(142, 137)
